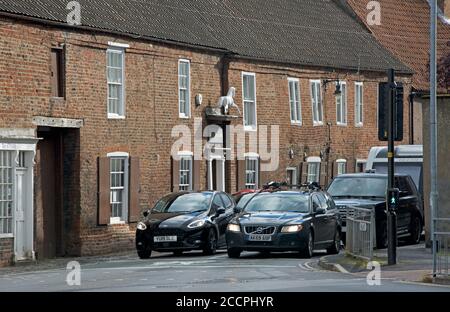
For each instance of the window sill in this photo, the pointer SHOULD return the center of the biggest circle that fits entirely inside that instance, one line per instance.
(116, 221)
(339, 124)
(115, 117)
(296, 123)
(317, 124)
(184, 117)
(359, 125)
(6, 236)
(250, 129)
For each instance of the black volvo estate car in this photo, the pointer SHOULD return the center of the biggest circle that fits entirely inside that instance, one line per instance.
(185, 221)
(285, 221)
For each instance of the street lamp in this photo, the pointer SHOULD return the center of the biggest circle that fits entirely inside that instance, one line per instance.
(338, 91)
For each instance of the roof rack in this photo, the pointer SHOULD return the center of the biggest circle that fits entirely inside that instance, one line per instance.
(274, 186)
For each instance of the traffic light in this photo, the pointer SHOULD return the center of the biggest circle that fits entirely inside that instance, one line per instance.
(383, 108)
(393, 197)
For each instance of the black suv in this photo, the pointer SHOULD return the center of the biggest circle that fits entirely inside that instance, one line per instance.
(368, 190)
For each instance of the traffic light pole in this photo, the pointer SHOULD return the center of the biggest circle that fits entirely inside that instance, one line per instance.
(391, 213)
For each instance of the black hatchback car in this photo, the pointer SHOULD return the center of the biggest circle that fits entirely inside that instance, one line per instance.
(368, 190)
(285, 221)
(185, 221)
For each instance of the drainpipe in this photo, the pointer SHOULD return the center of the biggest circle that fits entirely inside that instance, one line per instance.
(412, 95)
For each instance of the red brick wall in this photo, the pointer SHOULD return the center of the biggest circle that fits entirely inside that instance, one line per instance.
(6, 251)
(152, 111)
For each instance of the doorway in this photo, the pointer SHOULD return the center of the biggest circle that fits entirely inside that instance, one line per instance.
(57, 176)
(216, 174)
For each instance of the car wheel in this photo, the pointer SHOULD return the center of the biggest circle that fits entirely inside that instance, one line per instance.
(415, 230)
(336, 246)
(234, 253)
(382, 238)
(308, 250)
(211, 244)
(144, 254)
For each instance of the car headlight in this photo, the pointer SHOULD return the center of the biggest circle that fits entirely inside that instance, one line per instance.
(141, 226)
(292, 228)
(234, 227)
(196, 224)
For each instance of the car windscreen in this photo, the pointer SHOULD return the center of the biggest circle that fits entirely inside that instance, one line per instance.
(358, 187)
(244, 200)
(279, 202)
(185, 203)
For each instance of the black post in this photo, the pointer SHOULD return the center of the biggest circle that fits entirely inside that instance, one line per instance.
(391, 213)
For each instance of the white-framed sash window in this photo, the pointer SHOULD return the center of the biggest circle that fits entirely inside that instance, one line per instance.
(249, 99)
(186, 171)
(341, 166)
(313, 169)
(251, 172)
(341, 105)
(119, 183)
(184, 88)
(6, 192)
(295, 101)
(116, 82)
(316, 100)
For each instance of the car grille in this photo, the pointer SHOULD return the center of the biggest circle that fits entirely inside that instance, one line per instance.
(168, 232)
(258, 229)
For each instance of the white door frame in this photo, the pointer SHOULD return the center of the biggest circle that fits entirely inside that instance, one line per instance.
(220, 172)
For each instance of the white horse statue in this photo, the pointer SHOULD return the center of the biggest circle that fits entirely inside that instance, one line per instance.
(228, 101)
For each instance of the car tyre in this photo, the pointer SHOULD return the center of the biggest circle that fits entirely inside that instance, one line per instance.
(336, 246)
(415, 230)
(308, 250)
(234, 253)
(211, 243)
(144, 254)
(382, 238)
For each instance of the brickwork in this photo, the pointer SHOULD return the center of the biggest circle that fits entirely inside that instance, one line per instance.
(151, 85)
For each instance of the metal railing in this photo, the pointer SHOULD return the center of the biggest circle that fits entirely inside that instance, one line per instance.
(441, 266)
(360, 232)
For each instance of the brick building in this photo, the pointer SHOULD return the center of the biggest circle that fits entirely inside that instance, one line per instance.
(405, 31)
(88, 112)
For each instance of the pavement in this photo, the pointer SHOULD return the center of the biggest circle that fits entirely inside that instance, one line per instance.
(414, 264)
(193, 272)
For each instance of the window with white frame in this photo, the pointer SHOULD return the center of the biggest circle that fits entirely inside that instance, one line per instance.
(249, 97)
(359, 101)
(360, 165)
(316, 99)
(119, 186)
(6, 192)
(341, 105)
(294, 101)
(251, 172)
(115, 77)
(186, 164)
(292, 176)
(341, 166)
(184, 81)
(313, 169)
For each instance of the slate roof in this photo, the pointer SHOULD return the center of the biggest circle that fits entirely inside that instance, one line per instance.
(405, 31)
(306, 32)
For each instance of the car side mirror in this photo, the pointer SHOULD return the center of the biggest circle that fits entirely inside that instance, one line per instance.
(220, 211)
(146, 213)
(237, 210)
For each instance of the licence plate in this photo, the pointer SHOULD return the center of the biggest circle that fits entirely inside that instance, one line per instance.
(164, 239)
(260, 238)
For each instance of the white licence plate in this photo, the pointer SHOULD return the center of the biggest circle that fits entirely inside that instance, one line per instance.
(260, 238)
(164, 239)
